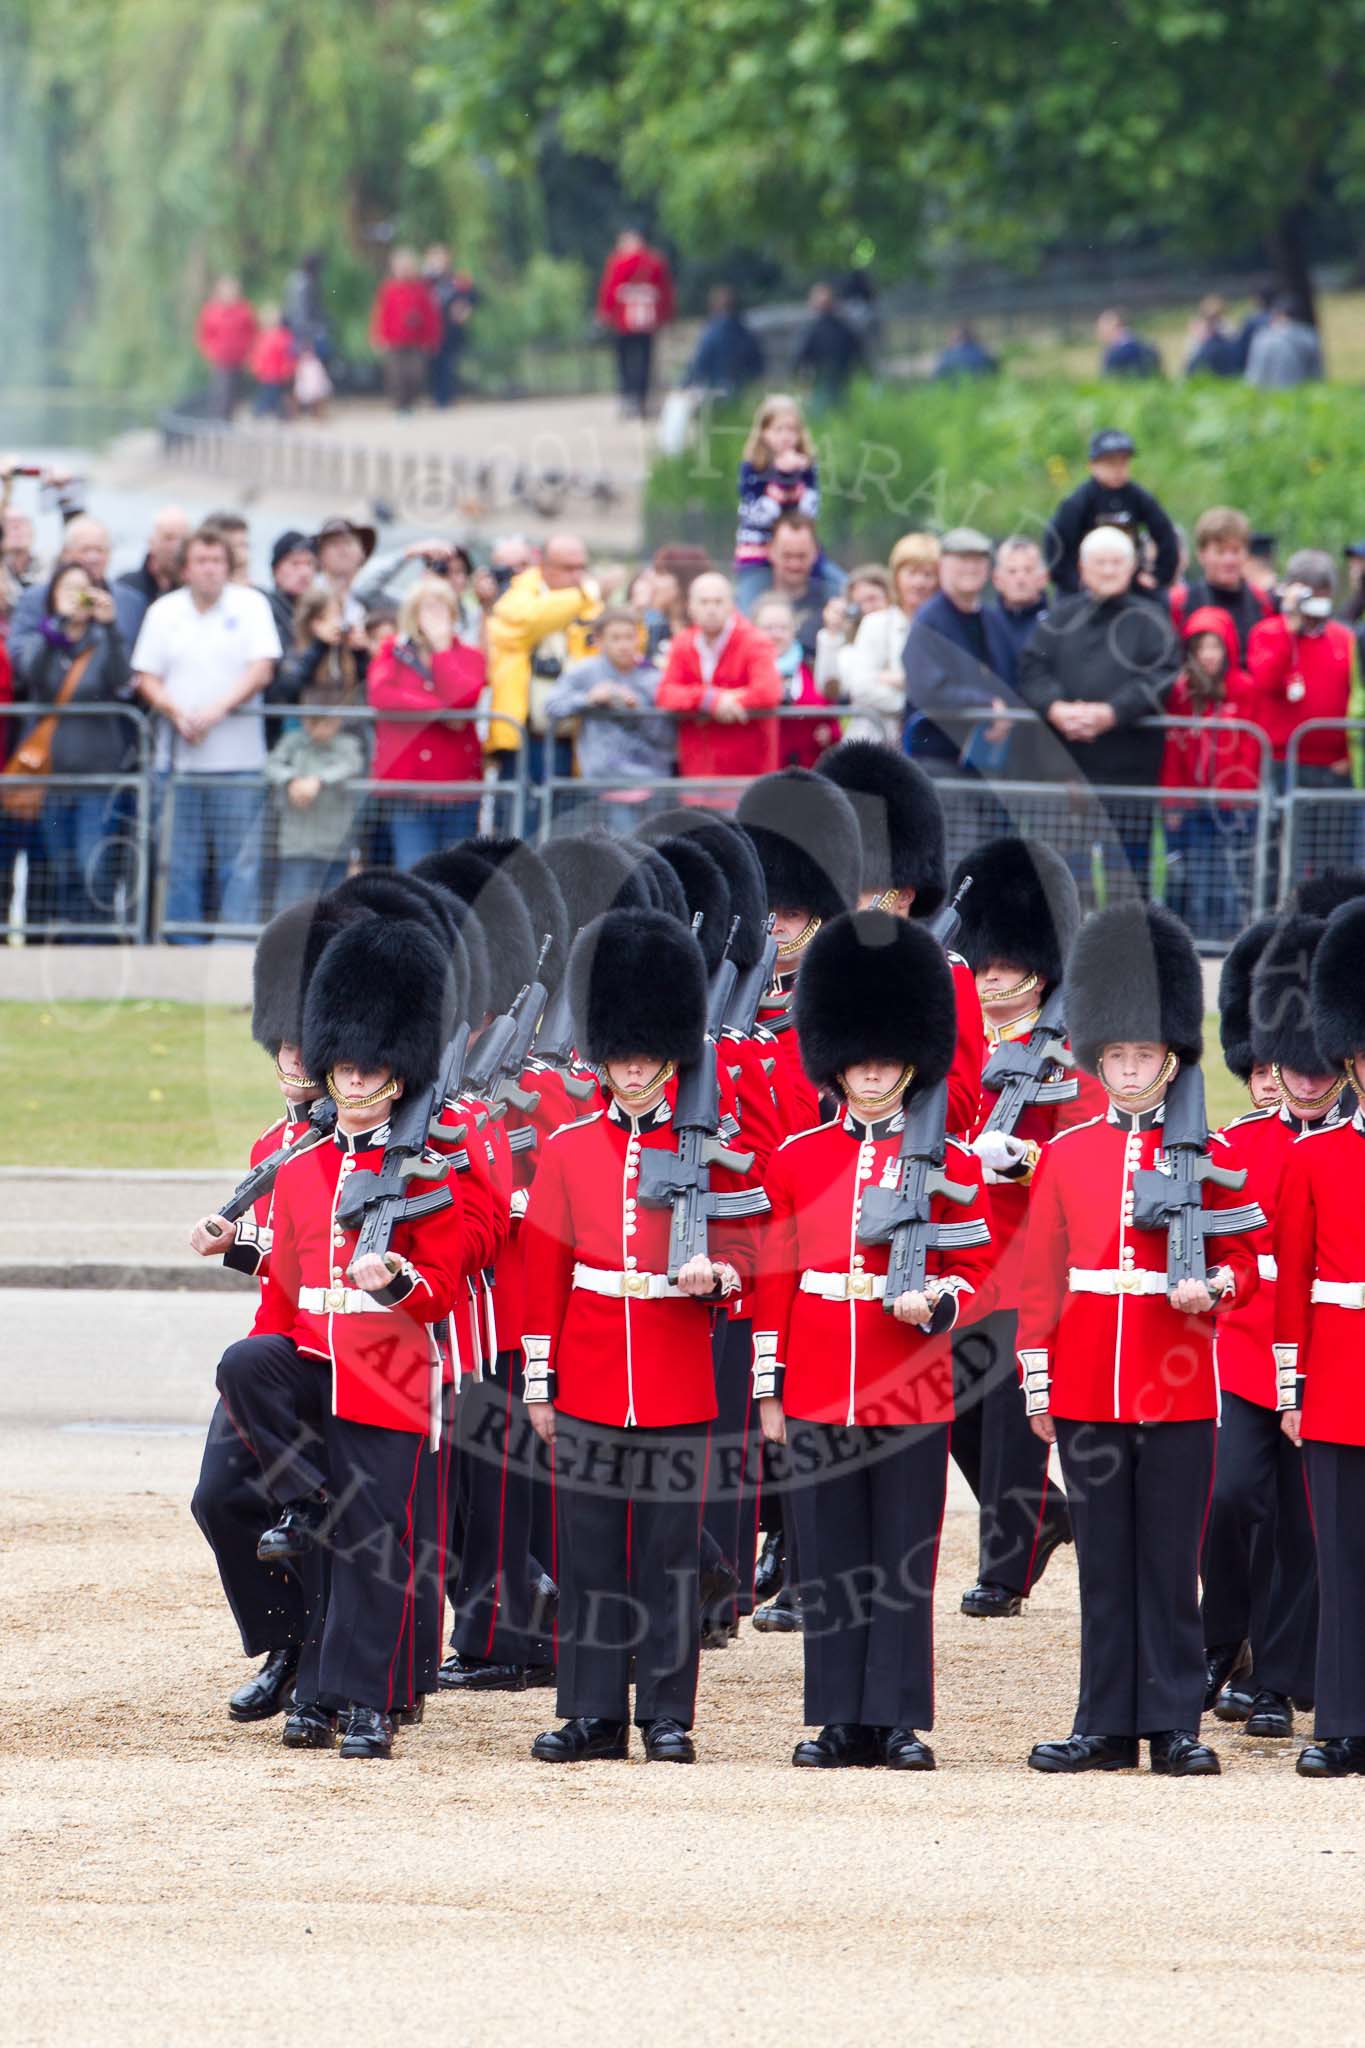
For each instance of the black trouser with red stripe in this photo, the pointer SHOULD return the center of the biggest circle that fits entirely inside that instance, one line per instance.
(731, 1516)
(1260, 1563)
(375, 1573)
(233, 1508)
(868, 1508)
(494, 1593)
(1139, 1498)
(629, 1503)
(999, 1456)
(1336, 1486)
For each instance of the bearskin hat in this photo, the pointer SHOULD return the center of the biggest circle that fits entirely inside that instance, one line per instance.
(1281, 1006)
(1023, 906)
(731, 848)
(391, 892)
(540, 892)
(1134, 974)
(1320, 895)
(665, 890)
(805, 833)
(1234, 997)
(382, 995)
(499, 912)
(875, 987)
(279, 979)
(595, 873)
(900, 818)
(637, 984)
(1338, 986)
(705, 889)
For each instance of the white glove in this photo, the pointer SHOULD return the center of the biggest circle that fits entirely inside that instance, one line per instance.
(998, 1151)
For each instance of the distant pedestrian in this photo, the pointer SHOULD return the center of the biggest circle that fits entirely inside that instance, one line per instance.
(305, 314)
(274, 359)
(1122, 352)
(635, 300)
(1285, 352)
(405, 329)
(830, 351)
(1214, 350)
(225, 334)
(728, 355)
(965, 356)
(456, 297)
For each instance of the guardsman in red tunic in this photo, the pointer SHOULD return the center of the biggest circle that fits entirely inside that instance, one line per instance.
(1319, 1310)
(1119, 1371)
(230, 1503)
(619, 1375)
(340, 1390)
(862, 1397)
(1018, 921)
(904, 870)
(1260, 1569)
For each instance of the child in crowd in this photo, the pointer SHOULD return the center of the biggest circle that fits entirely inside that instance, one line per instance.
(777, 473)
(274, 357)
(315, 768)
(1208, 845)
(640, 750)
(800, 741)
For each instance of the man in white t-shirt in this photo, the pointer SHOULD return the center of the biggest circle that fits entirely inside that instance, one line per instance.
(205, 652)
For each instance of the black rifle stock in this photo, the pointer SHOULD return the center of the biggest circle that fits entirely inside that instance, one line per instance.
(900, 1216)
(946, 923)
(322, 1117)
(750, 988)
(1170, 1196)
(1016, 1072)
(494, 1070)
(552, 1047)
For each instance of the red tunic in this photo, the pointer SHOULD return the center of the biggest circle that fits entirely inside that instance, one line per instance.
(1119, 1356)
(383, 1358)
(250, 1253)
(617, 1359)
(1246, 1331)
(843, 1361)
(1039, 1123)
(1320, 1238)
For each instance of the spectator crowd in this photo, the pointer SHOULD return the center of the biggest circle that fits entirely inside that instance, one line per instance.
(368, 706)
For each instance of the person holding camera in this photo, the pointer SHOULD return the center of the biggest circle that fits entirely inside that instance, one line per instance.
(542, 620)
(1304, 665)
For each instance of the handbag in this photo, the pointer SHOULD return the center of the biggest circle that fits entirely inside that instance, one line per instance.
(33, 755)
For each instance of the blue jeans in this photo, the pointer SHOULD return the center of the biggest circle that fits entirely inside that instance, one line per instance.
(86, 836)
(215, 827)
(1208, 870)
(416, 829)
(565, 800)
(304, 874)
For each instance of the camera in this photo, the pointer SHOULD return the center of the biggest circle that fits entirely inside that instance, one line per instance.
(1308, 603)
(548, 667)
(436, 565)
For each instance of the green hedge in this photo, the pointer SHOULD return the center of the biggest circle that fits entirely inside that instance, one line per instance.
(1000, 453)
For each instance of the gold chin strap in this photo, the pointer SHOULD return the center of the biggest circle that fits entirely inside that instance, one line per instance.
(1011, 995)
(887, 900)
(632, 1099)
(1133, 1105)
(869, 1108)
(1358, 1086)
(1310, 1104)
(389, 1088)
(292, 1080)
(787, 949)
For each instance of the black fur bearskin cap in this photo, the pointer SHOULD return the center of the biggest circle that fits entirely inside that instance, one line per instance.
(1234, 997)
(595, 874)
(637, 984)
(731, 848)
(382, 995)
(900, 818)
(390, 892)
(539, 891)
(705, 889)
(876, 987)
(1338, 986)
(1281, 1006)
(279, 979)
(499, 912)
(1134, 974)
(1023, 906)
(805, 833)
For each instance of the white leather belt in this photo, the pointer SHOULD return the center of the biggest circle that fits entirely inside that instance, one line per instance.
(340, 1301)
(1340, 1293)
(1266, 1267)
(845, 1286)
(627, 1286)
(1087, 1280)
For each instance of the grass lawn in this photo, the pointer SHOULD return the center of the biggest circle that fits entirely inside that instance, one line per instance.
(166, 1084)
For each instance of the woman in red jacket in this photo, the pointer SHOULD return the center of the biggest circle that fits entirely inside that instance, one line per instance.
(1208, 845)
(405, 328)
(426, 669)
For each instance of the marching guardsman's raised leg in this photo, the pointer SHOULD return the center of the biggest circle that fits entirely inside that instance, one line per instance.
(1320, 1303)
(1137, 1238)
(878, 1234)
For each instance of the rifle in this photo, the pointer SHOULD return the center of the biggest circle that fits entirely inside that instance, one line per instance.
(375, 1203)
(946, 922)
(1170, 1195)
(1016, 1072)
(493, 1074)
(721, 993)
(751, 986)
(899, 1216)
(680, 1178)
(322, 1117)
(553, 1044)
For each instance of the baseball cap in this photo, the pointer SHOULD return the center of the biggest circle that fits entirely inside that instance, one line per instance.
(1354, 550)
(1111, 441)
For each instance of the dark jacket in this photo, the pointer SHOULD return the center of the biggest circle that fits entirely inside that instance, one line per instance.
(966, 359)
(81, 745)
(954, 661)
(829, 352)
(144, 587)
(1130, 508)
(1131, 357)
(728, 355)
(1218, 355)
(1245, 606)
(1124, 652)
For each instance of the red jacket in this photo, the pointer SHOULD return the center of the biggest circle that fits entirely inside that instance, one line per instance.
(1207, 756)
(1246, 1364)
(848, 1361)
(635, 293)
(1320, 1236)
(274, 358)
(400, 679)
(616, 1359)
(1299, 676)
(250, 1253)
(405, 315)
(224, 333)
(1118, 1356)
(747, 669)
(1040, 1122)
(385, 1364)
(801, 741)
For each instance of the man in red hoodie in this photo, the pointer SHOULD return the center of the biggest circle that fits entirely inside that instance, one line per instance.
(405, 328)
(721, 669)
(225, 334)
(635, 299)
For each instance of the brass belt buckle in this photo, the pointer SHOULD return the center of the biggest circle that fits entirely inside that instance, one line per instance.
(1128, 1283)
(860, 1287)
(336, 1300)
(635, 1284)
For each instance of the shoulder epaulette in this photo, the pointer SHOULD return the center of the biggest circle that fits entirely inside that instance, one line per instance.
(828, 1125)
(594, 1117)
(1072, 1129)
(270, 1129)
(1343, 1123)
(1251, 1116)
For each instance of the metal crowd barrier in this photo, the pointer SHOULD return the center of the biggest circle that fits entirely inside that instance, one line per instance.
(1321, 822)
(79, 868)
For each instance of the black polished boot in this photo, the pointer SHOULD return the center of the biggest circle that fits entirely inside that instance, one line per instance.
(1053, 1538)
(309, 1728)
(668, 1742)
(1272, 1714)
(270, 1691)
(989, 1602)
(1085, 1753)
(843, 1745)
(410, 1717)
(903, 1750)
(1234, 1702)
(368, 1734)
(771, 1569)
(582, 1740)
(781, 1617)
(1178, 1754)
(296, 1531)
(1336, 1756)
(1222, 1662)
(473, 1674)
